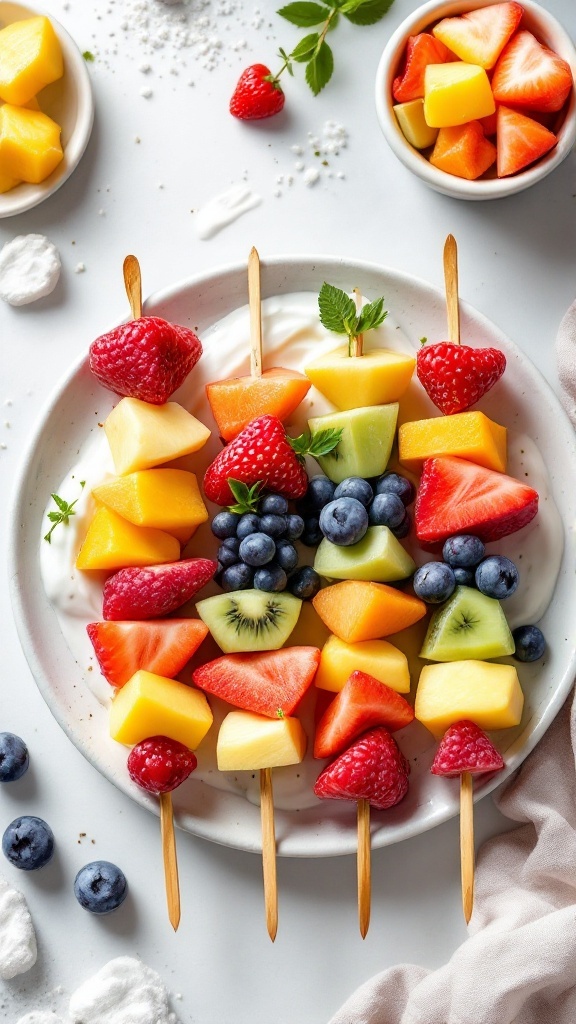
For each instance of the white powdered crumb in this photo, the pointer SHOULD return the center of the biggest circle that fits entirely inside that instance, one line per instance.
(298, 150)
(124, 991)
(79, 268)
(146, 92)
(311, 176)
(40, 1017)
(299, 165)
(101, 213)
(145, 68)
(29, 269)
(277, 193)
(3, 446)
(17, 936)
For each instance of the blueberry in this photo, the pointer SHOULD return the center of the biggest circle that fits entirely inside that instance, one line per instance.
(237, 577)
(393, 483)
(273, 504)
(355, 487)
(249, 523)
(274, 526)
(434, 582)
(404, 529)
(311, 534)
(224, 524)
(530, 643)
(227, 557)
(286, 555)
(28, 843)
(386, 510)
(464, 577)
(497, 577)
(344, 521)
(464, 551)
(257, 549)
(100, 887)
(304, 583)
(232, 543)
(14, 758)
(270, 577)
(294, 527)
(320, 492)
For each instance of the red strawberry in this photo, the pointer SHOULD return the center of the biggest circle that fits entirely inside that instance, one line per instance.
(421, 50)
(122, 648)
(269, 683)
(362, 703)
(478, 37)
(156, 590)
(257, 95)
(159, 764)
(456, 496)
(373, 769)
(264, 452)
(520, 141)
(456, 376)
(465, 748)
(146, 358)
(531, 76)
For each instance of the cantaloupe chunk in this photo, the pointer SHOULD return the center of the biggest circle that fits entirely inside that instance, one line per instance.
(455, 93)
(463, 151)
(376, 657)
(167, 499)
(468, 435)
(141, 435)
(247, 742)
(238, 400)
(113, 543)
(410, 117)
(356, 610)
(485, 692)
(378, 377)
(29, 144)
(30, 58)
(152, 705)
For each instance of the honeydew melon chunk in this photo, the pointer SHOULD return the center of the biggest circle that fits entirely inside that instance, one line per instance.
(487, 693)
(379, 558)
(250, 620)
(377, 377)
(152, 705)
(376, 657)
(247, 742)
(141, 435)
(468, 625)
(366, 442)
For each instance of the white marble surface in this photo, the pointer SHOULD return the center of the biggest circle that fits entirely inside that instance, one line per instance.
(517, 266)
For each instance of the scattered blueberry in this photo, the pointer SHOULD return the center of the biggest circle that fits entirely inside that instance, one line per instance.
(257, 549)
(237, 577)
(311, 534)
(386, 510)
(393, 483)
(530, 643)
(227, 557)
(404, 529)
(14, 758)
(344, 521)
(294, 527)
(100, 887)
(304, 583)
(464, 577)
(274, 505)
(28, 843)
(497, 577)
(434, 582)
(274, 526)
(270, 577)
(320, 492)
(249, 523)
(463, 551)
(286, 555)
(224, 524)
(355, 487)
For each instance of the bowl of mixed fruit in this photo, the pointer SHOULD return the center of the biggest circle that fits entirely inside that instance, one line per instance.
(477, 99)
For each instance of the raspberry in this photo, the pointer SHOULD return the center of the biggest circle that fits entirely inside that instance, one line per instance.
(465, 748)
(146, 358)
(155, 590)
(256, 96)
(159, 764)
(373, 768)
(456, 376)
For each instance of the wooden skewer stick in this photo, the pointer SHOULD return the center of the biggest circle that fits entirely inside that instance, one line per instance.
(357, 345)
(269, 851)
(133, 285)
(170, 859)
(467, 843)
(254, 301)
(451, 285)
(364, 866)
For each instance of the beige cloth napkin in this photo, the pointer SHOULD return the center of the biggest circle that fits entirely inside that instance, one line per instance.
(518, 965)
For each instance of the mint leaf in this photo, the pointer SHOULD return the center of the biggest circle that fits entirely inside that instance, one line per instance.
(304, 50)
(303, 14)
(319, 70)
(337, 310)
(323, 442)
(367, 12)
(247, 498)
(88, 56)
(65, 510)
(371, 316)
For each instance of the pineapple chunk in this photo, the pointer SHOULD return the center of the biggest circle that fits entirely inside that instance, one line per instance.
(113, 543)
(151, 705)
(167, 499)
(378, 377)
(455, 93)
(376, 657)
(485, 692)
(29, 144)
(247, 741)
(141, 435)
(467, 435)
(410, 117)
(30, 58)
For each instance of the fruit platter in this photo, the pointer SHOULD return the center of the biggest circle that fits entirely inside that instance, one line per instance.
(347, 566)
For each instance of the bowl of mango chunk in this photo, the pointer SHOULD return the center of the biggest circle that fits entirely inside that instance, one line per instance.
(46, 107)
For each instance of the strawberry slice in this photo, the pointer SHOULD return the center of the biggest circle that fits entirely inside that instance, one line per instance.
(531, 76)
(478, 37)
(373, 769)
(362, 703)
(156, 590)
(122, 648)
(421, 50)
(465, 748)
(520, 141)
(456, 496)
(269, 683)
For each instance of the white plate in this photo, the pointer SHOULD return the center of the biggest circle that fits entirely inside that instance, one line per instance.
(68, 101)
(523, 401)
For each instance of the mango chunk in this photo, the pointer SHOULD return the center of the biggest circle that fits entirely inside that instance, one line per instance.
(167, 499)
(141, 435)
(485, 692)
(30, 58)
(113, 543)
(467, 435)
(410, 117)
(376, 657)
(247, 742)
(152, 705)
(29, 144)
(378, 377)
(455, 93)
(6, 182)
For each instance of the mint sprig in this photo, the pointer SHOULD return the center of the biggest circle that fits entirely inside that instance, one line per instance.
(338, 313)
(62, 515)
(247, 498)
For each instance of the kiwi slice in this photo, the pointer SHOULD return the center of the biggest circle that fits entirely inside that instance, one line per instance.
(468, 625)
(250, 620)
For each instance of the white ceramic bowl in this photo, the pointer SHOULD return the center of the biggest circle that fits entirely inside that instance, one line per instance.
(537, 20)
(68, 101)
